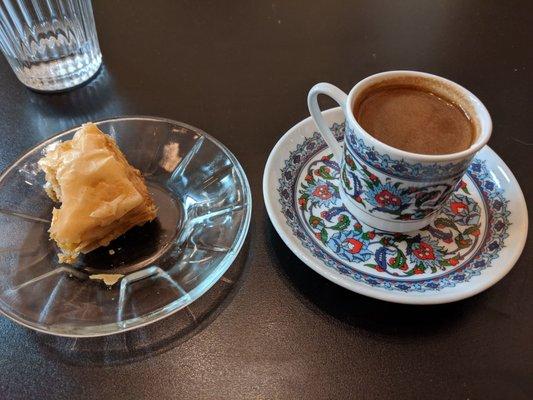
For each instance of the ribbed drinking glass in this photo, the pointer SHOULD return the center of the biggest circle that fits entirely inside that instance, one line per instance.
(50, 44)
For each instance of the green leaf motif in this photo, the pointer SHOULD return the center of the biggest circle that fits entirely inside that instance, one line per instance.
(324, 235)
(323, 171)
(462, 242)
(303, 200)
(346, 180)
(351, 163)
(343, 223)
(445, 222)
(369, 183)
(315, 221)
(444, 263)
(400, 259)
(471, 229)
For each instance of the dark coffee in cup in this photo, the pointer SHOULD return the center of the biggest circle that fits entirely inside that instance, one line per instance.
(414, 119)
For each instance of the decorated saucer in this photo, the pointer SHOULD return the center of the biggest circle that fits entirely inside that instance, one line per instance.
(470, 246)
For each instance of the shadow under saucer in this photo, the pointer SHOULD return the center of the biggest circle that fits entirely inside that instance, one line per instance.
(375, 316)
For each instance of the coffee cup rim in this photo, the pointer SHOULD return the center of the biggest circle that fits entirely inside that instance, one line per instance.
(481, 113)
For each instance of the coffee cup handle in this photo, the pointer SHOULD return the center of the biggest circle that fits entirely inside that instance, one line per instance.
(312, 102)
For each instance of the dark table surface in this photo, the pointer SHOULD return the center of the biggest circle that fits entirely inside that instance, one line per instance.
(241, 70)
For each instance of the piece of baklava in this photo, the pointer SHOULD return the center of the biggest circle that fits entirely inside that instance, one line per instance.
(101, 195)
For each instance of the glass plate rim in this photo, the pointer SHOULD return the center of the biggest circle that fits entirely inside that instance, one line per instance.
(183, 301)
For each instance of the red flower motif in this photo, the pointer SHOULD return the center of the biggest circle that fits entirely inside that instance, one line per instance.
(371, 235)
(453, 261)
(322, 192)
(358, 199)
(385, 198)
(475, 233)
(354, 246)
(324, 214)
(373, 178)
(357, 226)
(418, 271)
(464, 242)
(379, 269)
(457, 207)
(424, 252)
(318, 235)
(349, 161)
(403, 267)
(318, 172)
(308, 178)
(462, 184)
(302, 201)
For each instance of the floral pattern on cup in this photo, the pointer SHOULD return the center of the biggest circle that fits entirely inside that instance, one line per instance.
(427, 263)
(399, 168)
(380, 193)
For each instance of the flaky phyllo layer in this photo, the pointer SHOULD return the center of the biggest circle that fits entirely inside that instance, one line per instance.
(101, 195)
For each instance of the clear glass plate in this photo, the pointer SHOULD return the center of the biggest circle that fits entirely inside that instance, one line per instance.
(204, 209)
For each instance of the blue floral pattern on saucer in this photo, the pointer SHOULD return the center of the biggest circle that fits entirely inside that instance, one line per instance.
(462, 241)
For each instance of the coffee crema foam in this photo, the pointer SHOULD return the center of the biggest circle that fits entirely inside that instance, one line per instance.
(414, 118)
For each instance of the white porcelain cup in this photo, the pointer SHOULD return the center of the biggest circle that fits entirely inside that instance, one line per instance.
(388, 188)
